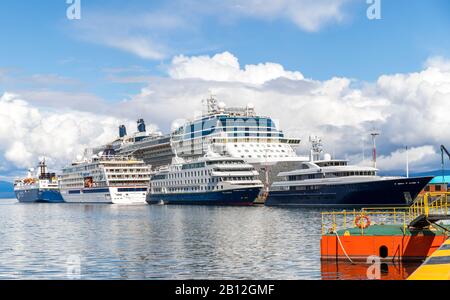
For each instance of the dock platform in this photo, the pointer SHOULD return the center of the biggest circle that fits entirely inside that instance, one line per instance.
(435, 267)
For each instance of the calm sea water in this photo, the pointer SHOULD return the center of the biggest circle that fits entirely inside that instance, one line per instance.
(64, 241)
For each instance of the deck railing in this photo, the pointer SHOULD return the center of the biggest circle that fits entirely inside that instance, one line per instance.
(431, 203)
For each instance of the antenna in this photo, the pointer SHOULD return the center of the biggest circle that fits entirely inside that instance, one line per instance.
(316, 147)
(363, 140)
(211, 103)
(374, 133)
(407, 163)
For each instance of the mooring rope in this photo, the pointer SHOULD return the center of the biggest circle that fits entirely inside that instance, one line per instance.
(438, 226)
(342, 247)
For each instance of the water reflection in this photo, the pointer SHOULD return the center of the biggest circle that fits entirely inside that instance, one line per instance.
(333, 270)
(161, 242)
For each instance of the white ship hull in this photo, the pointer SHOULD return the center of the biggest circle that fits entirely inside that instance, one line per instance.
(111, 195)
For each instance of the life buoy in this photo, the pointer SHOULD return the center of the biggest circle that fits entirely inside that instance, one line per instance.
(362, 221)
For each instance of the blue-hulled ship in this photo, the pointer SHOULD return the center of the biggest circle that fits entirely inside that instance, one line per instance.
(333, 183)
(210, 180)
(42, 188)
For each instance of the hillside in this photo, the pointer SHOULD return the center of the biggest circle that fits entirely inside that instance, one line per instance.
(6, 190)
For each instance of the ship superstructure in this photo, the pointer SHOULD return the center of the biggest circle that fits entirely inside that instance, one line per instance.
(106, 178)
(235, 131)
(209, 180)
(327, 182)
(40, 187)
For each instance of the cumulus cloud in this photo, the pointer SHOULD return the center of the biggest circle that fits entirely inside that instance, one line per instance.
(409, 109)
(28, 132)
(225, 67)
(419, 159)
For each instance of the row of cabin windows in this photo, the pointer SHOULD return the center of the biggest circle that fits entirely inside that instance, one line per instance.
(127, 170)
(187, 174)
(189, 189)
(202, 181)
(330, 175)
(263, 151)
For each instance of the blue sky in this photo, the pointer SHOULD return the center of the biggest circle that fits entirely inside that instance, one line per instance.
(156, 59)
(39, 39)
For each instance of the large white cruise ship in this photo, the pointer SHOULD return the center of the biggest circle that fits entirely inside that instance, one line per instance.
(209, 180)
(106, 178)
(230, 131)
(235, 131)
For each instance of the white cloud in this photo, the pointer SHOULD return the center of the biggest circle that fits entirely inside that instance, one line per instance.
(137, 33)
(28, 132)
(158, 33)
(225, 67)
(438, 62)
(309, 15)
(419, 159)
(410, 109)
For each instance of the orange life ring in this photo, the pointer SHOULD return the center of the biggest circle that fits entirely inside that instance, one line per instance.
(362, 221)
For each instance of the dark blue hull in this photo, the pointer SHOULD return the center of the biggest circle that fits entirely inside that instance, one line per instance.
(39, 195)
(242, 197)
(384, 193)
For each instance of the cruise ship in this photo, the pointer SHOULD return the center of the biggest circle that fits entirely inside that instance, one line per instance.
(154, 148)
(241, 133)
(333, 183)
(106, 178)
(209, 180)
(40, 188)
(230, 131)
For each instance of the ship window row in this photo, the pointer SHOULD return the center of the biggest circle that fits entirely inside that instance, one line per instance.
(127, 170)
(235, 134)
(263, 156)
(183, 182)
(305, 188)
(225, 162)
(193, 166)
(188, 189)
(129, 182)
(352, 173)
(203, 180)
(259, 145)
(229, 122)
(128, 176)
(263, 151)
(330, 175)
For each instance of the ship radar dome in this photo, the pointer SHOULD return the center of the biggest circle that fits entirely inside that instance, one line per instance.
(221, 106)
(327, 156)
(250, 106)
(175, 126)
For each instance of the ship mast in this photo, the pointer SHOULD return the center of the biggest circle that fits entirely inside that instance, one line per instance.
(316, 147)
(374, 134)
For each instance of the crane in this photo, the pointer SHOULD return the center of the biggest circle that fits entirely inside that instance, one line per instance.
(444, 150)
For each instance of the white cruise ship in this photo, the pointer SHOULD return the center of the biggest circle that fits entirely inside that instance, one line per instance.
(237, 132)
(209, 180)
(106, 178)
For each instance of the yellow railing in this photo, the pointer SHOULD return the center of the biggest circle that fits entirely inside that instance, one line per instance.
(435, 203)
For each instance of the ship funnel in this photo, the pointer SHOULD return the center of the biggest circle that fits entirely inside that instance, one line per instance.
(122, 131)
(141, 125)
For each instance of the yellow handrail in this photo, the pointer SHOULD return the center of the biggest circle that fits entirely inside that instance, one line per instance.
(428, 203)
